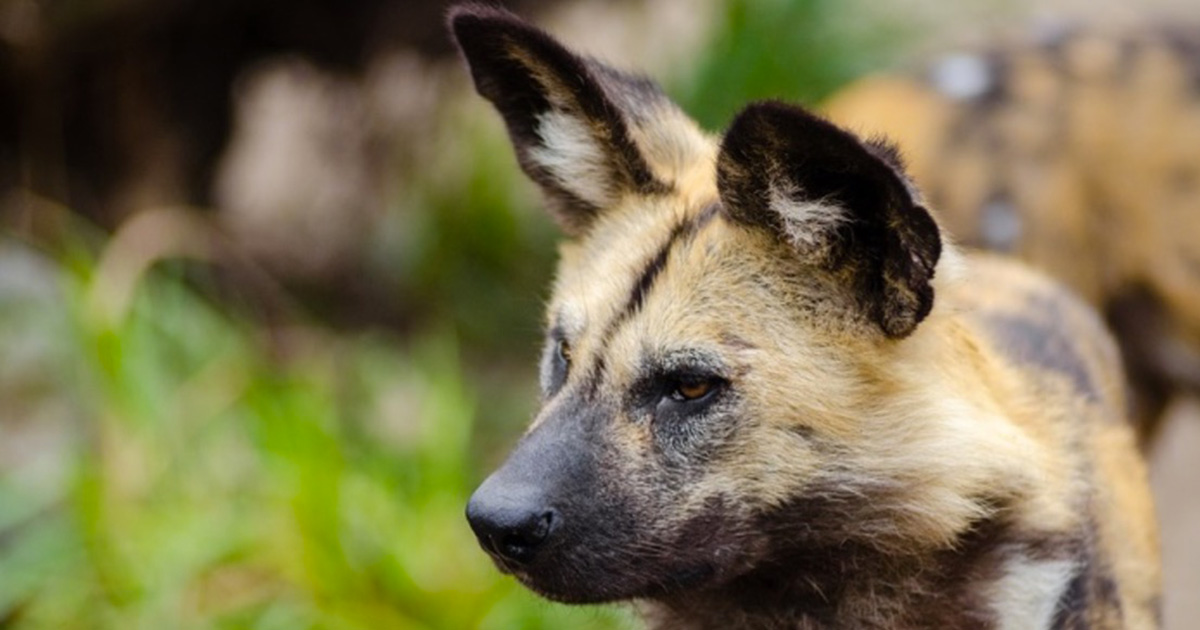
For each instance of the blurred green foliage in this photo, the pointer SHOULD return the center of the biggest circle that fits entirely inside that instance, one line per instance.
(213, 484)
(793, 50)
(216, 475)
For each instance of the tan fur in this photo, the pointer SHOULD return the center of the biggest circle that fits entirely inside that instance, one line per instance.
(973, 471)
(1083, 158)
(940, 413)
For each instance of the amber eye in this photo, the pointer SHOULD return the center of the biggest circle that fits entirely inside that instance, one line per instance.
(691, 390)
(564, 351)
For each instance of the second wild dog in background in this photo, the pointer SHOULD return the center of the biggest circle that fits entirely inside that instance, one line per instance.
(1080, 154)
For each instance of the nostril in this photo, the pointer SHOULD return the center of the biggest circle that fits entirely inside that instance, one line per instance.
(532, 532)
(515, 547)
(511, 521)
(542, 526)
(522, 541)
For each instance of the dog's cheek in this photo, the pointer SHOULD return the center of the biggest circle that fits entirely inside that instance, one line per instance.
(662, 509)
(703, 523)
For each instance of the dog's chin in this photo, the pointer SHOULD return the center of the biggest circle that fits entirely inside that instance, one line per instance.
(570, 594)
(601, 589)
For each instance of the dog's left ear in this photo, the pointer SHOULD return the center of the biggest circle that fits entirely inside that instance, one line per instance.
(841, 203)
(570, 118)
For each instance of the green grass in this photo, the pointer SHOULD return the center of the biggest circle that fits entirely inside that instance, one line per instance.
(214, 485)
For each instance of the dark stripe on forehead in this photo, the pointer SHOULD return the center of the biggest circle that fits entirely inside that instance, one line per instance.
(637, 296)
(686, 230)
(641, 288)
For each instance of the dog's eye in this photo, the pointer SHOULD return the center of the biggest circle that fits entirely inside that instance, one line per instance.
(694, 389)
(556, 364)
(684, 392)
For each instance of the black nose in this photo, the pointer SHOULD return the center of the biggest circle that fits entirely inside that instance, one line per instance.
(511, 522)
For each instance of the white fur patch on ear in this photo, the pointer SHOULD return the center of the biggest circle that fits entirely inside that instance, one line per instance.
(570, 153)
(1025, 597)
(809, 223)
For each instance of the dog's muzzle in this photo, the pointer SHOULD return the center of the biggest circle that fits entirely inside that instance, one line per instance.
(511, 521)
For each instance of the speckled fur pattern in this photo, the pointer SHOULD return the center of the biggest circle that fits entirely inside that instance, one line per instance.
(776, 395)
(1080, 154)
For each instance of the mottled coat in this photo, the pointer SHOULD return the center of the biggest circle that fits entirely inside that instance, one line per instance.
(776, 396)
(1079, 153)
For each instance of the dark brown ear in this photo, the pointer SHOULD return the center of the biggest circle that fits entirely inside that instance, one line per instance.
(569, 117)
(843, 204)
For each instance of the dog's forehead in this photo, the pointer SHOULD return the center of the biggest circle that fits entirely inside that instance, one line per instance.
(610, 273)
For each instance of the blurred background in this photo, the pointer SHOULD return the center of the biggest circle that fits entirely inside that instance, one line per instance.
(270, 290)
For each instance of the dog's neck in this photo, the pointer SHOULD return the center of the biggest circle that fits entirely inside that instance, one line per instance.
(850, 586)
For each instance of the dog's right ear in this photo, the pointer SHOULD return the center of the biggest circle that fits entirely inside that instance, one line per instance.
(564, 113)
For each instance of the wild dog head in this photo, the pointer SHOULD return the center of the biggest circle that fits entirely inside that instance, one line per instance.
(725, 321)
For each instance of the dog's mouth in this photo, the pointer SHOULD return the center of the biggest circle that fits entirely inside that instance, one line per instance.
(563, 581)
(506, 567)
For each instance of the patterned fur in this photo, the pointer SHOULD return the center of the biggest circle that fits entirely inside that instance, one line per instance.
(1081, 155)
(776, 396)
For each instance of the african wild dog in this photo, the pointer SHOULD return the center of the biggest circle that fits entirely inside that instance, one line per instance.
(775, 396)
(1080, 153)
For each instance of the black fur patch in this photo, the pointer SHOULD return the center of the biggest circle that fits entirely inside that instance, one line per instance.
(1040, 342)
(1070, 611)
(888, 242)
(525, 73)
(1091, 600)
(821, 571)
